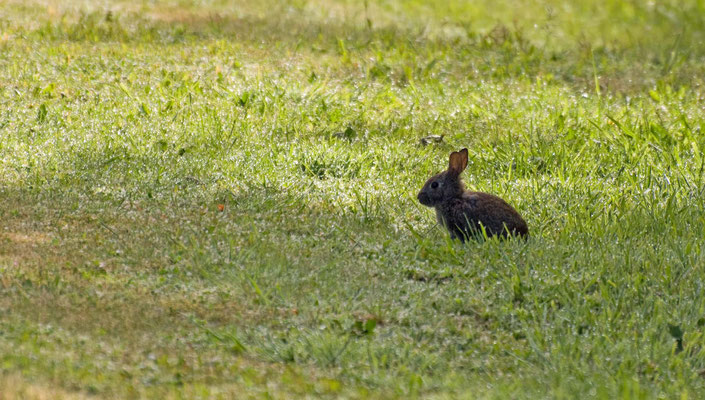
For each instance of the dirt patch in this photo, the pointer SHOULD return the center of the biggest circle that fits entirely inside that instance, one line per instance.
(15, 387)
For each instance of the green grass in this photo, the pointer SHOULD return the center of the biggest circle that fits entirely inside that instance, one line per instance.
(205, 199)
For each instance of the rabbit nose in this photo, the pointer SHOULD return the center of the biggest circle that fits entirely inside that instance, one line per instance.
(423, 198)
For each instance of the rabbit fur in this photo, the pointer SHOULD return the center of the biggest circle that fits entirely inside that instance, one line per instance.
(468, 214)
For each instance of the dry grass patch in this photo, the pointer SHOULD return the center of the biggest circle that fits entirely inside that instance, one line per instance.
(16, 387)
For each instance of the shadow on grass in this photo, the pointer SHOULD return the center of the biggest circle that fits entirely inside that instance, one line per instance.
(118, 259)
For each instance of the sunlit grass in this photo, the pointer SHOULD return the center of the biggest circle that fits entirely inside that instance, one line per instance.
(205, 199)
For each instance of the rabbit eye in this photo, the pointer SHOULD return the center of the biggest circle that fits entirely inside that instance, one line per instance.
(434, 185)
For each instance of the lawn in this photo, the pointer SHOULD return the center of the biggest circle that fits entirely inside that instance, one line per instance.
(217, 199)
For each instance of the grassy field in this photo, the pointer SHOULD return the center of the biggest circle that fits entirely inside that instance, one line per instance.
(216, 199)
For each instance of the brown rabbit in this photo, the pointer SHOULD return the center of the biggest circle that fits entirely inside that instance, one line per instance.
(465, 214)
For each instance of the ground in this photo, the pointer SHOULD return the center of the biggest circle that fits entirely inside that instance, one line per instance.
(216, 199)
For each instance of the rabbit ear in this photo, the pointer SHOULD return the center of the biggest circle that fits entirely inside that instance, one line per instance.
(458, 161)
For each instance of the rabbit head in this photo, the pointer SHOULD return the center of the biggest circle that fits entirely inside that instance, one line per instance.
(446, 185)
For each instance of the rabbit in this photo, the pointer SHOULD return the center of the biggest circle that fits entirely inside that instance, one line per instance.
(464, 213)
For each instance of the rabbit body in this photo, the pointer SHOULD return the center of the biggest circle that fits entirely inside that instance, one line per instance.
(465, 214)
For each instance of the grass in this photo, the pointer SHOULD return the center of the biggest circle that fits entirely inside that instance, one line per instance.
(206, 199)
